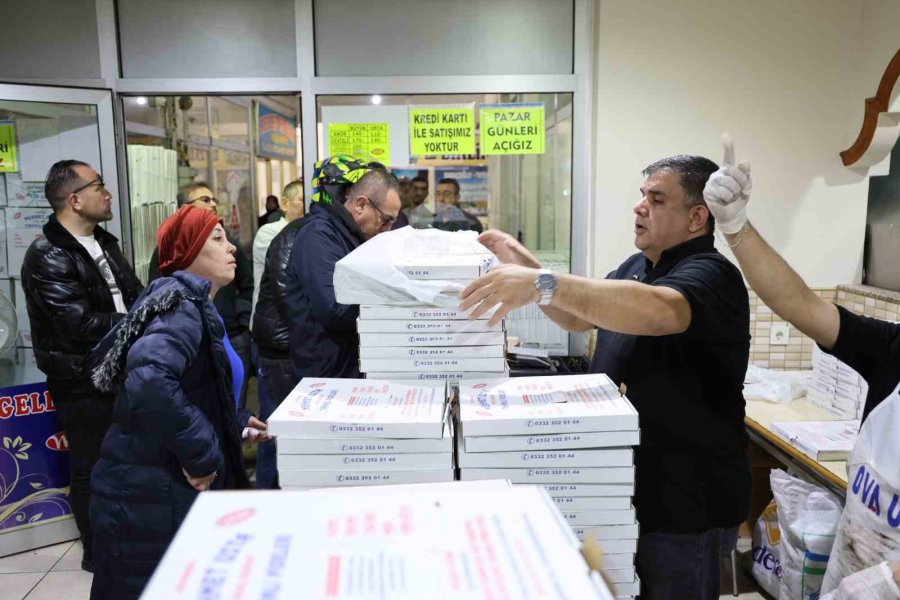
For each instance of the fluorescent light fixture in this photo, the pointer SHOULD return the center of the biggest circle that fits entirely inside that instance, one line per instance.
(376, 99)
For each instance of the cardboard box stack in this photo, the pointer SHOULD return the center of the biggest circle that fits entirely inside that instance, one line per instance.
(574, 436)
(352, 432)
(465, 544)
(425, 342)
(836, 387)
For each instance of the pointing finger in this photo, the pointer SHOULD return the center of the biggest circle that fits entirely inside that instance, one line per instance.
(728, 160)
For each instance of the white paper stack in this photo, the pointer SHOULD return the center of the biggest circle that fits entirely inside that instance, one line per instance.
(836, 387)
(571, 434)
(820, 440)
(352, 432)
(425, 342)
(464, 544)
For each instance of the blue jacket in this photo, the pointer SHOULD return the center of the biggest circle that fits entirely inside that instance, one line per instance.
(323, 341)
(174, 411)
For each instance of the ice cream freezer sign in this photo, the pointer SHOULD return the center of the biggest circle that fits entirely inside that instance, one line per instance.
(512, 129)
(34, 459)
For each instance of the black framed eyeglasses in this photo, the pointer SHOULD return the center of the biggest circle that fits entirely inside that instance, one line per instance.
(385, 219)
(96, 182)
(205, 200)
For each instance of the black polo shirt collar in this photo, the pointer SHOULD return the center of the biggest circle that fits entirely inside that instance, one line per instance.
(674, 255)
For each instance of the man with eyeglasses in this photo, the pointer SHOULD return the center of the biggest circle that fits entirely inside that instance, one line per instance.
(77, 286)
(353, 201)
(234, 301)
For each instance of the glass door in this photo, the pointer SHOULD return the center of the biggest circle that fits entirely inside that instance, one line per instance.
(38, 126)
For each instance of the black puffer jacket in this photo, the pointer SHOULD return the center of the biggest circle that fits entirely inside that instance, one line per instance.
(69, 303)
(270, 321)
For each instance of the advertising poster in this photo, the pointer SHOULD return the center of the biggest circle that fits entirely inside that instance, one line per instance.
(277, 134)
(367, 141)
(34, 459)
(8, 161)
(441, 130)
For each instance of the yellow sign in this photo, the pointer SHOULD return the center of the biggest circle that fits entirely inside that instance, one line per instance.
(366, 141)
(437, 131)
(8, 161)
(512, 129)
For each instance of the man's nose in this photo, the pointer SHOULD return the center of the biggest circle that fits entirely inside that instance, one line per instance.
(640, 208)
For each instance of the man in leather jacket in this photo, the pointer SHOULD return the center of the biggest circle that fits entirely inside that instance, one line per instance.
(77, 286)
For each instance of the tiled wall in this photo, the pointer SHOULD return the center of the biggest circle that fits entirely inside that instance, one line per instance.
(861, 299)
(797, 354)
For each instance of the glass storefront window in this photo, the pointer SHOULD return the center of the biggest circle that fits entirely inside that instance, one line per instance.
(147, 110)
(191, 117)
(525, 191)
(233, 188)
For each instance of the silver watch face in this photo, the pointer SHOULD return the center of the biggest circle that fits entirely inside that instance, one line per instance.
(546, 282)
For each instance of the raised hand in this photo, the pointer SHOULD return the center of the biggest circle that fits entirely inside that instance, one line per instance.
(508, 249)
(728, 191)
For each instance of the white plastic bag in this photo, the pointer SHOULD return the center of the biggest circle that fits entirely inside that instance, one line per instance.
(773, 386)
(869, 531)
(767, 551)
(368, 275)
(808, 518)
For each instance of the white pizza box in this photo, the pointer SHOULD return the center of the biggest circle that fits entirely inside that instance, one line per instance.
(544, 405)
(609, 532)
(294, 478)
(612, 547)
(573, 503)
(611, 457)
(288, 446)
(23, 226)
(360, 408)
(560, 441)
(594, 518)
(627, 589)
(444, 266)
(595, 475)
(617, 561)
(391, 326)
(411, 313)
(448, 376)
(431, 365)
(590, 489)
(423, 544)
(440, 352)
(614, 576)
(365, 462)
(482, 485)
(419, 339)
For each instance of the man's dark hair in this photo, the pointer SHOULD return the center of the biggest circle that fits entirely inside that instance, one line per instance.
(451, 181)
(293, 188)
(184, 191)
(61, 180)
(693, 173)
(373, 185)
(419, 178)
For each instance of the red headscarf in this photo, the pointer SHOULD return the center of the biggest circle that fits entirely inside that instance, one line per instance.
(181, 237)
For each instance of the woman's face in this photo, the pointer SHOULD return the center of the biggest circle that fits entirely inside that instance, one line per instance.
(216, 260)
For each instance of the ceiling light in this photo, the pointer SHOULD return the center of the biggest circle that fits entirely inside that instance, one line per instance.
(141, 100)
(376, 99)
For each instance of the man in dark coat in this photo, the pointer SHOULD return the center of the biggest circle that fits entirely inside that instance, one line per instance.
(235, 301)
(77, 286)
(352, 202)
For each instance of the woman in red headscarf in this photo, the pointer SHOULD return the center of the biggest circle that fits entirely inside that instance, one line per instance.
(175, 431)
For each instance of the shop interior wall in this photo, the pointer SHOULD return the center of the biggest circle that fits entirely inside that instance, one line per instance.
(50, 39)
(785, 78)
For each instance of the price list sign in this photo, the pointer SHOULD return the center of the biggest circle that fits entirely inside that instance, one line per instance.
(368, 141)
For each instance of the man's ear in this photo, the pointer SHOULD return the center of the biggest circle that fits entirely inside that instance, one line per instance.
(699, 217)
(73, 201)
(283, 203)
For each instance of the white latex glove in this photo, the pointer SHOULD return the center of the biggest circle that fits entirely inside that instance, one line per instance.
(728, 191)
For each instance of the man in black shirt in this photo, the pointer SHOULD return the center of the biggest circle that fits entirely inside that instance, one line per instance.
(674, 328)
(870, 346)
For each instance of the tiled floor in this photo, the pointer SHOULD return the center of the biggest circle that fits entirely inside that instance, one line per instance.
(54, 573)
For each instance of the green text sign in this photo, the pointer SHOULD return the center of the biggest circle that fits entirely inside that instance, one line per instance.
(367, 141)
(8, 161)
(435, 131)
(512, 129)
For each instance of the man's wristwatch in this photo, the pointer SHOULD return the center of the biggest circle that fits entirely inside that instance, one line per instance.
(545, 283)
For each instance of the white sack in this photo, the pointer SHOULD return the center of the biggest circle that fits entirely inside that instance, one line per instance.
(808, 518)
(369, 275)
(767, 551)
